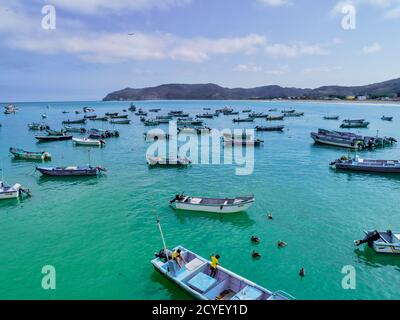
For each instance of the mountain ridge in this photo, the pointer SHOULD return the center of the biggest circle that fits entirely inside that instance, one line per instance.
(211, 91)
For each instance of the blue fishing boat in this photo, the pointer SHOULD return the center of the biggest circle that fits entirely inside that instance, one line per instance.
(79, 171)
(381, 241)
(367, 165)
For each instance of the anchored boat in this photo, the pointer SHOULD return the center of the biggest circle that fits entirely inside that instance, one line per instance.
(243, 120)
(22, 154)
(331, 118)
(275, 118)
(275, 128)
(38, 126)
(167, 162)
(49, 138)
(217, 205)
(384, 118)
(80, 121)
(381, 241)
(89, 142)
(194, 278)
(14, 192)
(76, 130)
(80, 171)
(352, 125)
(367, 165)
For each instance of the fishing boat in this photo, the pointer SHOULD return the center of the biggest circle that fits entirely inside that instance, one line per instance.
(10, 109)
(384, 118)
(238, 120)
(154, 136)
(155, 110)
(168, 162)
(194, 129)
(44, 116)
(245, 140)
(53, 138)
(80, 171)
(76, 130)
(164, 118)
(258, 115)
(338, 139)
(354, 121)
(185, 123)
(120, 121)
(88, 109)
(293, 114)
(38, 126)
(14, 192)
(230, 113)
(27, 155)
(216, 205)
(381, 241)
(194, 279)
(367, 165)
(151, 123)
(275, 128)
(55, 133)
(352, 125)
(141, 113)
(65, 112)
(80, 121)
(112, 114)
(288, 111)
(275, 118)
(246, 111)
(273, 110)
(205, 116)
(123, 116)
(331, 117)
(99, 119)
(102, 134)
(206, 109)
(89, 142)
(132, 108)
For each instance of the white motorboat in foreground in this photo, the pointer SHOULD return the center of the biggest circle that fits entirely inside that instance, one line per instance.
(225, 205)
(13, 192)
(88, 142)
(381, 241)
(194, 278)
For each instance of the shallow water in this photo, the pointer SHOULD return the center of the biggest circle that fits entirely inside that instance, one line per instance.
(101, 233)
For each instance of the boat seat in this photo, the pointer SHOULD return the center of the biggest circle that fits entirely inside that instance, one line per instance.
(248, 293)
(201, 282)
(194, 264)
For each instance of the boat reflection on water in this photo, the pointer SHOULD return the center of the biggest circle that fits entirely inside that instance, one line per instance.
(174, 293)
(370, 258)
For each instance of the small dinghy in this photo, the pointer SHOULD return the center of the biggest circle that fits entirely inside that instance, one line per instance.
(367, 165)
(384, 118)
(255, 115)
(155, 110)
(80, 121)
(167, 162)
(26, 155)
(205, 116)
(89, 142)
(243, 142)
(275, 128)
(216, 205)
(112, 114)
(352, 125)
(194, 278)
(14, 192)
(381, 241)
(151, 123)
(38, 126)
(124, 116)
(293, 114)
(82, 171)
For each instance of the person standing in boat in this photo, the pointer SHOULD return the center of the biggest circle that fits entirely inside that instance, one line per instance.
(177, 257)
(213, 265)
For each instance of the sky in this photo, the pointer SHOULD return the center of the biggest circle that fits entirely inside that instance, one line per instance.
(84, 49)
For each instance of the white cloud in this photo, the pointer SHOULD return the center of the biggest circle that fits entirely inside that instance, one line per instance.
(104, 6)
(274, 3)
(248, 67)
(373, 48)
(294, 50)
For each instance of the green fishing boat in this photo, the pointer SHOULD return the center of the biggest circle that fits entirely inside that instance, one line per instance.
(22, 154)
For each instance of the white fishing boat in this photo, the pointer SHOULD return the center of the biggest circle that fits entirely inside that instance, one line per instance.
(168, 162)
(14, 192)
(381, 241)
(216, 205)
(194, 278)
(88, 142)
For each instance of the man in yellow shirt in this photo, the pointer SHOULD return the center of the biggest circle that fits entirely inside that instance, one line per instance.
(213, 265)
(176, 256)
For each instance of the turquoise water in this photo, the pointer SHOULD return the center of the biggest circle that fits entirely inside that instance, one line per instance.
(100, 234)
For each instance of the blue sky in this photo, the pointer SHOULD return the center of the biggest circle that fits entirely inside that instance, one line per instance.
(234, 43)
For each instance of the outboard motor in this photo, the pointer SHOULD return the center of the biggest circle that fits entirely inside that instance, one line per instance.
(370, 238)
(161, 255)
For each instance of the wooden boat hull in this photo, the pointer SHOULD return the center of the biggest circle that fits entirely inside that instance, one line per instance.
(25, 155)
(88, 142)
(83, 121)
(354, 125)
(278, 128)
(343, 143)
(378, 166)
